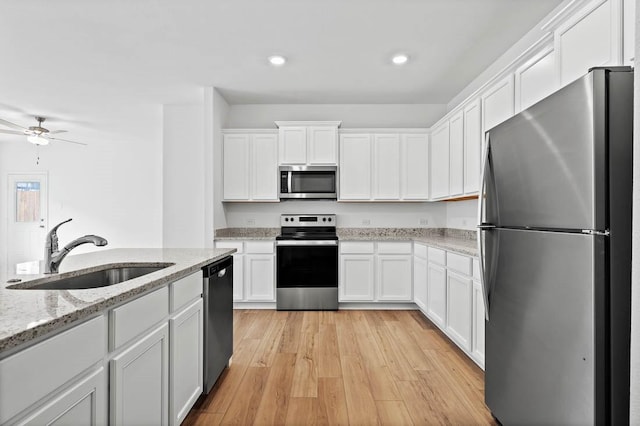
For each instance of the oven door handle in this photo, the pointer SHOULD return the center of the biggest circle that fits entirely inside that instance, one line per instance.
(306, 243)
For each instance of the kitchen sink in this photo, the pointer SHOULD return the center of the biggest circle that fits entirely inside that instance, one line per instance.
(94, 279)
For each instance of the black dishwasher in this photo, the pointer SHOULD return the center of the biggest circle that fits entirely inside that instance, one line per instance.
(218, 319)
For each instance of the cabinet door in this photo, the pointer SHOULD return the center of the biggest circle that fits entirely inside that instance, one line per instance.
(185, 376)
(264, 167)
(386, 167)
(439, 162)
(238, 277)
(589, 39)
(84, 403)
(459, 294)
(394, 277)
(356, 277)
(293, 145)
(420, 282)
(235, 153)
(323, 145)
(436, 293)
(629, 13)
(456, 155)
(355, 167)
(139, 385)
(259, 277)
(536, 79)
(472, 147)
(415, 167)
(497, 103)
(477, 342)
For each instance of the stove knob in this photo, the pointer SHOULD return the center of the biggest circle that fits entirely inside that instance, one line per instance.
(324, 219)
(286, 219)
(329, 219)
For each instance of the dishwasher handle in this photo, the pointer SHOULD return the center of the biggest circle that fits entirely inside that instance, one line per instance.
(214, 269)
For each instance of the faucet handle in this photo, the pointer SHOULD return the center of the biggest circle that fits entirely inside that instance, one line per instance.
(52, 236)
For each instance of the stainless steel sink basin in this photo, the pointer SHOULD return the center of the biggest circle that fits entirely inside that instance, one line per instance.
(102, 278)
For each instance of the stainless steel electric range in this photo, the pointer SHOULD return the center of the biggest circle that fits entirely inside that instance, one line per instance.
(307, 263)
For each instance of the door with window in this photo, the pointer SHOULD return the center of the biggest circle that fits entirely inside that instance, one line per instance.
(27, 221)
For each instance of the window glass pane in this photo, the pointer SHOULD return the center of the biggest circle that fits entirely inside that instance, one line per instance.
(27, 201)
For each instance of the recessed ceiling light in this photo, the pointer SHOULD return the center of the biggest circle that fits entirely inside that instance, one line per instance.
(277, 60)
(400, 59)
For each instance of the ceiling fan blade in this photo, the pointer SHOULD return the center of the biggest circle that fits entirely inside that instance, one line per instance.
(55, 132)
(65, 140)
(12, 132)
(12, 125)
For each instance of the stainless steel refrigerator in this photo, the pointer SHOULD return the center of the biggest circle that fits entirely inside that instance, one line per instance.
(555, 252)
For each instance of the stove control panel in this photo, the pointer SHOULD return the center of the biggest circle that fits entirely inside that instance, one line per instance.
(308, 220)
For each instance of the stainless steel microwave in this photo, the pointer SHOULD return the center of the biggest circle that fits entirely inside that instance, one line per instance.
(308, 182)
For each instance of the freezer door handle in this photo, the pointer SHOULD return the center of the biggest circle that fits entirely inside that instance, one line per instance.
(483, 226)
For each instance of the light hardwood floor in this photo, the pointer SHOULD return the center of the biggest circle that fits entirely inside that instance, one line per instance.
(344, 367)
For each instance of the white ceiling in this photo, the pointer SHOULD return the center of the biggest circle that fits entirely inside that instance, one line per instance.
(67, 58)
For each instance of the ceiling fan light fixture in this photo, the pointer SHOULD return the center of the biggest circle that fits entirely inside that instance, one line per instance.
(38, 140)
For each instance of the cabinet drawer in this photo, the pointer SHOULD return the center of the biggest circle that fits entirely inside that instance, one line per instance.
(28, 376)
(420, 251)
(458, 263)
(185, 290)
(131, 319)
(436, 255)
(230, 245)
(259, 247)
(356, 247)
(476, 269)
(402, 247)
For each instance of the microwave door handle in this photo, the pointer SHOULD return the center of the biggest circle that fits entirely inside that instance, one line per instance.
(289, 181)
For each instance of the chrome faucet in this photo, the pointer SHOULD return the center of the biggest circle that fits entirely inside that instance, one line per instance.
(53, 257)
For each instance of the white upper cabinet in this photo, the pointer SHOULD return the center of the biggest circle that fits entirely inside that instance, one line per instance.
(236, 166)
(293, 145)
(323, 145)
(355, 167)
(456, 155)
(386, 176)
(414, 168)
(629, 31)
(250, 163)
(536, 79)
(472, 146)
(439, 161)
(591, 38)
(497, 103)
(308, 143)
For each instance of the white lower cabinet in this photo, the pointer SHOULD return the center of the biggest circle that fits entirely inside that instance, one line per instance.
(259, 277)
(477, 342)
(356, 278)
(459, 311)
(238, 277)
(185, 375)
(83, 403)
(139, 385)
(420, 282)
(394, 277)
(437, 293)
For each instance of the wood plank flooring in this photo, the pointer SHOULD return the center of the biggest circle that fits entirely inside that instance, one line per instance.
(340, 368)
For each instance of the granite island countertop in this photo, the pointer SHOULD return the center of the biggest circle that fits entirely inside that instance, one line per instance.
(458, 240)
(26, 315)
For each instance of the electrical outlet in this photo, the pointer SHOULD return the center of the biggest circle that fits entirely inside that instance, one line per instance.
(424, 221)
(366, 221)
(464, 222)
(251, 222)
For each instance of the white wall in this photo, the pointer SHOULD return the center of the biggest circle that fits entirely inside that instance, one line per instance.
(352, 116)
(407, 215)
(112, 187)
(462, 214)
(219, 115)
(183, 176)
(635, 272)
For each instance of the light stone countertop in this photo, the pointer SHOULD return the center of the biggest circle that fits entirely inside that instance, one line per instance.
(458, 240)
(26, 315)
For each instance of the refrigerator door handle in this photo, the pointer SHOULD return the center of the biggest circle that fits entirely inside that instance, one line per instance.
(483, 226)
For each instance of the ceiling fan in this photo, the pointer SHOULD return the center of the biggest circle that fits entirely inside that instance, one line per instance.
(37, 135)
